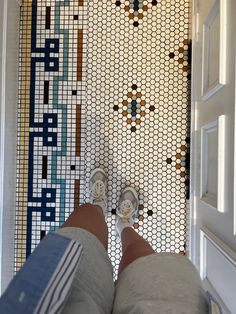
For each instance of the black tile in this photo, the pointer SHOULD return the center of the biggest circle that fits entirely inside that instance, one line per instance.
(45, 167)
(48, 18)
(46, 92)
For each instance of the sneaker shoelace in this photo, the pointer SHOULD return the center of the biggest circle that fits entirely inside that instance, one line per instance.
(126, 209)
(98, 191)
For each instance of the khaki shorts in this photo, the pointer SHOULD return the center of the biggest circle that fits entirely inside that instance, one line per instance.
(158, 283)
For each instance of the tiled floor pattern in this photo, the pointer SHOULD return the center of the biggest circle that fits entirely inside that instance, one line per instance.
(51, 119)
(104, 83)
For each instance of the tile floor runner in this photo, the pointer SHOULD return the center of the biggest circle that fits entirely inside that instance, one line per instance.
(103, 84)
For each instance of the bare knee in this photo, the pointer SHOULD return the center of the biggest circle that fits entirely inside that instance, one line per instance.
(134, 251)
(138, 248)
(88, 207)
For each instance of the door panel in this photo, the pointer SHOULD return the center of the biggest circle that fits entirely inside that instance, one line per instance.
(213, 123)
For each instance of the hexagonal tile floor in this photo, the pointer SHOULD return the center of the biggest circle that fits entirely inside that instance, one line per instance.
(104, 84)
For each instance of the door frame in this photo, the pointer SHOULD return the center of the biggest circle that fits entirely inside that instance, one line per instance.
(9, 46)
(193, 137)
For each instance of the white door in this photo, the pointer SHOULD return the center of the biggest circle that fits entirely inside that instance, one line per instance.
(213, 209)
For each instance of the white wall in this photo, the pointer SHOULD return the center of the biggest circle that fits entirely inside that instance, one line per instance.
(9, 42)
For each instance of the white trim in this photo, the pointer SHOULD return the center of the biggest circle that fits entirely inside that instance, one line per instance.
(217, 202)
(202, 255)
(8, 139)
(234, 197)
(205, 131)
(219, 8)
(221, 164)
(194, 136)
(221, 246)
(228, 267)
(2, 129)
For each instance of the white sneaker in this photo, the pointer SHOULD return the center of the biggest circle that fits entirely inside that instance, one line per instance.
(98, 189)
(128, 207)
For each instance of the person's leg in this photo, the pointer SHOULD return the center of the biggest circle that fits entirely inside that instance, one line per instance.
(93, 287)
(92, 290)
(91, 218)
(133, 247)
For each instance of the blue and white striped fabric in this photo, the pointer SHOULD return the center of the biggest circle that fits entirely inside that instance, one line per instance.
(44, 281)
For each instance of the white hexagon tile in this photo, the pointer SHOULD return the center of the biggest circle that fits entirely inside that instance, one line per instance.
(109, 86)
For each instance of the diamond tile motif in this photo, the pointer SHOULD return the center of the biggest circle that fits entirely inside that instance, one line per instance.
(136, 9)
(133, 108)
